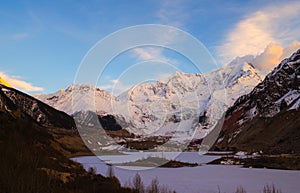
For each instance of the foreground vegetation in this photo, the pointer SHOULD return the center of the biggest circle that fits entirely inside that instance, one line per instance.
(138, 187)
(267, 189)
(30, 161)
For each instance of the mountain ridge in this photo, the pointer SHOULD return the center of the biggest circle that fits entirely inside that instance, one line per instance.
(147, 99)
(267, 119)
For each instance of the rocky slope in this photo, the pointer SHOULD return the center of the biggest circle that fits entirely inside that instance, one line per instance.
(267, 119)
(41, 113)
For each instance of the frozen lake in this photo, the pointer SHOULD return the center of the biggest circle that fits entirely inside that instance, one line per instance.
(201, 179)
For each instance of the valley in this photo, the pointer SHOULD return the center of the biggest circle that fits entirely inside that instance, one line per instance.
(151, 96)
(261, 121)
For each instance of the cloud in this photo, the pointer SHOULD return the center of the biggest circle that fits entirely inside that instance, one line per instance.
(277, 24)
(267, 60)
(290, 49)
(20, 36)
(147, 53)
(116, 87)
(152, 53)
(272, 55)
(173, 12)
(115, 81)
(16, 82)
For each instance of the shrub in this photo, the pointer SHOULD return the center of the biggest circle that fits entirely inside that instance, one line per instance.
(240, 189)
(271, 189)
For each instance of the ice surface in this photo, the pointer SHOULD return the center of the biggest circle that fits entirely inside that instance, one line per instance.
(206, 178)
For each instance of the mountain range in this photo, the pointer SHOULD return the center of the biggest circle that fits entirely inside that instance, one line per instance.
(180, 109)
(191, 103)
(253, 104)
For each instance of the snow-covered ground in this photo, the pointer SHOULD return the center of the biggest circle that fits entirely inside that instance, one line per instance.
(202, 179)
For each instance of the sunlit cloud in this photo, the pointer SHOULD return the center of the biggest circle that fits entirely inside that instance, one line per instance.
(273, 55)
(290, 49)
(17, 83)
(277, 24)
(267, 60)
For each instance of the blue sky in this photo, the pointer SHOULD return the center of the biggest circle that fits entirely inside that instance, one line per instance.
(42, 43)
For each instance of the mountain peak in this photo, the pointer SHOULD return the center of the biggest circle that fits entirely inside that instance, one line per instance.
(79, 97)
(85, 87)
(270, 111)
(240, 60)
(180, 76)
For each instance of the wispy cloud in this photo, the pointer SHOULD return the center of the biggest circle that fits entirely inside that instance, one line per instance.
(116, 87)
(147, 54)
(152, 53)
(164, 77)
(19, 36)
(16, 82)
(277, 24)
(173, 12)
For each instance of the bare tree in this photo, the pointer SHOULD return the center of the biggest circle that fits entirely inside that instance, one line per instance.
(138, 185)
(240, 189)
(271, 189)
(154, 186)
(165, 189)
(92, 171)
(110, 171)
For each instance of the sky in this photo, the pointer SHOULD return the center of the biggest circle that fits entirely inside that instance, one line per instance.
(43, 43)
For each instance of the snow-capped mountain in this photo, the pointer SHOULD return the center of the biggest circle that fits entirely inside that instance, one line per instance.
(79, 98)
(169, 108)
(161, 107)
(268, 117)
